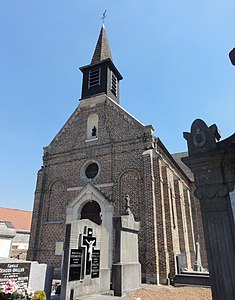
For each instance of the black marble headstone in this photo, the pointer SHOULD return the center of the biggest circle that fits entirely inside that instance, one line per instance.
(76, 264)
(95, 264)
(18, 272)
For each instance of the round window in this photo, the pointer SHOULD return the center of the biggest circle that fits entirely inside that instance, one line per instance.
(91, 170)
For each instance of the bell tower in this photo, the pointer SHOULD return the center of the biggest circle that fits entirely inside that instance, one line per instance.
(101, 76)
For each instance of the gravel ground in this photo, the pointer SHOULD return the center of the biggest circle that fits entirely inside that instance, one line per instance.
(160, 292)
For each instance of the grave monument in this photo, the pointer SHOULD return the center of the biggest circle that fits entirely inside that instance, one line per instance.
(213, 165)
(126, 269)
(26, 274)
(88, 249)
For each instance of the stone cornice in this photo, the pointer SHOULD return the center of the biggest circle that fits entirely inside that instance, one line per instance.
(213, 191)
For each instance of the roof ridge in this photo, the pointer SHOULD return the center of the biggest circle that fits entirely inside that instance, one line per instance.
(64, 128)
(123, 112)
(1, 207)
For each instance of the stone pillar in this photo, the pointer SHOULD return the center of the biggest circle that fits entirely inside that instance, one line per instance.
(198, 227)
(182, 222)
(151, 256)
(213, 165)
(163, 257)
(34, 241)
(65, 267)
(170, 220)
(189, 222)
(126, 271)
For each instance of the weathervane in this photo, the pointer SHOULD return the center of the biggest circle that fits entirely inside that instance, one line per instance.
(104, 16)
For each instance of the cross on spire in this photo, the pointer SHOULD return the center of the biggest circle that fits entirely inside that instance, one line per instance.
(104, 16)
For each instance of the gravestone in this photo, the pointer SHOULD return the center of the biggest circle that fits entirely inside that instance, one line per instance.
(213, 165)
(181, 262)
(88, 247)
(87, 257)
(26, 274)
(16, 271)
(85, 267)
(40, 278)
(126, 270)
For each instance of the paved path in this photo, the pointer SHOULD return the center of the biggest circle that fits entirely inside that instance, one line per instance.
(103, 297)
(93, 297)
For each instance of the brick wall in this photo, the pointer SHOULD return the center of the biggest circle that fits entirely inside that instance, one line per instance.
(123, 169)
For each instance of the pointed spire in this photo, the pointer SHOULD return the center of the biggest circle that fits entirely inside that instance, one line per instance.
(102, 50)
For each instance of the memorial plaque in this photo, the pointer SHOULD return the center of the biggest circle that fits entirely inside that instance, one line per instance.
(76, 264)
(19, 272)
(95, 264)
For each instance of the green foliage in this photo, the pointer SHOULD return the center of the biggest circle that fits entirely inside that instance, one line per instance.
(10, 296)
(39, 295)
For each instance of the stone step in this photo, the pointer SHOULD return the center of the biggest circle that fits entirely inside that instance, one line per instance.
(192, 279)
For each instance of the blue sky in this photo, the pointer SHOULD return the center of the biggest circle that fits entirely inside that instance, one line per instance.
(173, 56)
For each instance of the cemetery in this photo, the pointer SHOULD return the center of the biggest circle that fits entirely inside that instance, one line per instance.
(116, 216)
(87, 261)
(24, 276)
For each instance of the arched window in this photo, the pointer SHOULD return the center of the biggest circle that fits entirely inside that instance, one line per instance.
(56, 199)
(92, 127)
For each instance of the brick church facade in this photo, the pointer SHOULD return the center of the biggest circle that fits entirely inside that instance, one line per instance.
(102, 149)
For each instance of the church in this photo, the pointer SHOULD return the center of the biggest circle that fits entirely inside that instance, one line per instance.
(100, 156)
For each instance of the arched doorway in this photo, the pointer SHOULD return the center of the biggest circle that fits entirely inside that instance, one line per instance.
(91, 211)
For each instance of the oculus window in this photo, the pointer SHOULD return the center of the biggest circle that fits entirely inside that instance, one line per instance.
(92, 170)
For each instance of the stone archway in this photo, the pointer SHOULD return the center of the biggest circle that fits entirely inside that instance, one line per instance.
(76, 210)
(92, 211)
(89, 232)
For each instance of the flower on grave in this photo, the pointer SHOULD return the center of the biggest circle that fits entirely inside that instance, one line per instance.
(29, 293)
(10, 287)
(11, 292)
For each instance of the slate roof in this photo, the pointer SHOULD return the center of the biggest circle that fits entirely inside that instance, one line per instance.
(102, 50)
(21, 219)
(177, 157)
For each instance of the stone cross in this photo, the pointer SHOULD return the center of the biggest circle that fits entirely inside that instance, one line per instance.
(89, 241)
